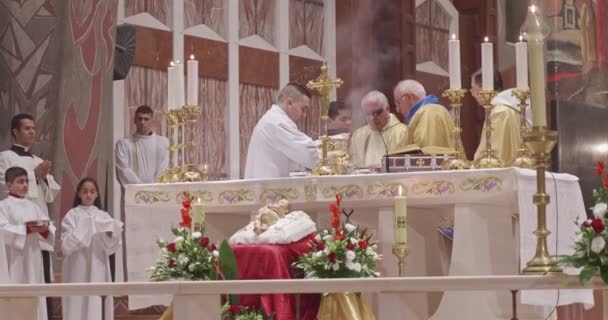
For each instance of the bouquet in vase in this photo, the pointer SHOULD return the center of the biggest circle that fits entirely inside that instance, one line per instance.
(236, 312)
(591, 253)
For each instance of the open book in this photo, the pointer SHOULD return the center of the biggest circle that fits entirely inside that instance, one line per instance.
(416, 150)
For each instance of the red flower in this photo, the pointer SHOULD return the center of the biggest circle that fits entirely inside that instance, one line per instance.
(363, 244)
(171, 264)
(597, 225)
(171, 247)
(186, 204)
(320, 246)
(606, 182)
(600, 168)
(235, 309)
(212, 247)
(204, 242)
(331, 257)
(338, 198)
(186, 219)
(350, 246)
(587, 224)
(340, 235)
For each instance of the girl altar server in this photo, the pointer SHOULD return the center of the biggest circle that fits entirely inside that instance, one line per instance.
(89, 236)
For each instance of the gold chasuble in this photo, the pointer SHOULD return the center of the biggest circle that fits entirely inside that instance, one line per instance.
(367, 148)
(431, 126)
(505, 136)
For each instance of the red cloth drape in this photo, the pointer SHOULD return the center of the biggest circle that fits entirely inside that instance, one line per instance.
(264, 261)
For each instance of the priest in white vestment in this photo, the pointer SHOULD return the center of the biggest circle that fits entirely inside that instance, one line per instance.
(277, 146)
(23, 234)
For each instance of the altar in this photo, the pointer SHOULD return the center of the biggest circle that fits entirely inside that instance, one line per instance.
(491, 209)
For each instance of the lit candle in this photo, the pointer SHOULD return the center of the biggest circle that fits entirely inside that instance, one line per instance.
(199, 214)
(454, 50)
(192, 82)
(487, 65)
(521, 63)
(400, 217)
(537, 69)
(181, 90)
(171, 86)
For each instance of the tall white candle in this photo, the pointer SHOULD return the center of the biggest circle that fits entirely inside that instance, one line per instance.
(521, 63)
(181, 90)
(171, 86)
(537, 68)
(192, 82)
(487, 65)
(400, 218)
(454, 57)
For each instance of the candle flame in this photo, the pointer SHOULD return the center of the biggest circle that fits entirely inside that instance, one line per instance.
(453, 36)
(176, 61)
(399, 191)
(521, 38)
(171, 64)
(191, 57)
(486, 39)
(533, 9)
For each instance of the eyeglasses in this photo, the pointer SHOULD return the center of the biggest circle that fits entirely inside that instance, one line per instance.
(376, 112)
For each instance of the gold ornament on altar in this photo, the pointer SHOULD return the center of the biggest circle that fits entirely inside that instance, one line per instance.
(522, 159)
(459, 162)
(489, 158)
(323, 84)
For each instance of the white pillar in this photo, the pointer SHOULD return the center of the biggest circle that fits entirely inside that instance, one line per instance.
(329, 39)
(282, 16)
(232, 119)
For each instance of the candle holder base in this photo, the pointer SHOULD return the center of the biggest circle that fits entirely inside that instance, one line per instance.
(456, 164)
(489, 160)
(523, 159)
(194, 173)
(401, 251)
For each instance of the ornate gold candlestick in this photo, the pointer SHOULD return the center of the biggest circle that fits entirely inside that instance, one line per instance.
(323, 84)
(541, 141)
(193, 171)
(171, 174)
(460, 162)
(400, 250)
(522, 159)
(489, 159)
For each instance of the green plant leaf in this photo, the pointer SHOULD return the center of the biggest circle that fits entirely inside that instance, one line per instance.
(587, 273)
(604, 273)
(229, 268)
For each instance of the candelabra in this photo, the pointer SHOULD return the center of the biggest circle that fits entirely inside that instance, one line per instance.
(488, 159)
(323, 84)
(192, 170)
(459, 162)
(522, 159)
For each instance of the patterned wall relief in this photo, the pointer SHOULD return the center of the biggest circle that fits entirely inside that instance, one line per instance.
(432, 34)
(211, 128)
(254, 102)
(257, 17)
(208, 12)
(162, 10)
(145, 86)
(306, 24)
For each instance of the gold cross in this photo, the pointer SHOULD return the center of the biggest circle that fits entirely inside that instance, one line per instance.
(323, 84)
(401, 222)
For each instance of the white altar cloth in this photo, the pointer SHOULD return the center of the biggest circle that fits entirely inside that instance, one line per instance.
(479, 199)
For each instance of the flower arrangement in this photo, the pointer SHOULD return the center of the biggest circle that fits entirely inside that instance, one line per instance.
(236, 312)
(344, 251)
(591, 253)
(190, 256)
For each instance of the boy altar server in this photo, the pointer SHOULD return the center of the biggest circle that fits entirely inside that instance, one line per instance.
(25, 229)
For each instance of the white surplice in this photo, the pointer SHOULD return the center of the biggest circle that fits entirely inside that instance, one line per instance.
(4, 276)
(41, 191)
(86, 247)
(141, 158)
(277, 147)
(23, 250)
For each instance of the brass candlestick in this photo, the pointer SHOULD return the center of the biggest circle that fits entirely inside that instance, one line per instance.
(193, 171)
(540, 141)
(323, 84)
(489, 159)
(171, 174)
(400, 250)
(522, 159)
(460, 162)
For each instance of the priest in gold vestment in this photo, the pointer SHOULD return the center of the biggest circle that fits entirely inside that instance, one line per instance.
(382, 135)
(429, 123)
(505, 120)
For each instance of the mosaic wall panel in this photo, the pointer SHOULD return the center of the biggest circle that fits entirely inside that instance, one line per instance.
(306, 24)
(254, 101)
(257, 17)
(162, 10)
(208, 12)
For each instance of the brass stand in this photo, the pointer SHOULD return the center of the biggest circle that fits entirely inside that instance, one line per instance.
(460, 162)
(541, 141)
(522, 159)
(323, 84)
(400, 250)
(192, 170)
(172, 172)
(489, 159)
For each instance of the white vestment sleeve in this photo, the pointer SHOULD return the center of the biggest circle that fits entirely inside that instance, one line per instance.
(14, 235)
(104, 223)
(50, 188)
(50, 239)
(121, 158)
(76, 234)
(297, 146)
(164, 157)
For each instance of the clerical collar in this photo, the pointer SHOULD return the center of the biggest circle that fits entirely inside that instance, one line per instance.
(21, 150)
(16, 196)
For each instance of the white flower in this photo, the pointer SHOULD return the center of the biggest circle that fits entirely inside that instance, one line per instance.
(349, 227)
(600, 210)
(196, 235)
(215, 253)
(336, 266)
(318, 254)
(182, 259)
(350, 265)
(597, 244)
(327, 237)
(377, 274)
(353, 240)
(178, 239)
(163, 250)
(326, 250)
(369, 251)
(350, 255)
(357, 267)
(318, 237)
(191, 267)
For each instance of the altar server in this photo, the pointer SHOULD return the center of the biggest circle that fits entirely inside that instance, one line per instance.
(277, 146)
(505, 120)
(144, 155)
(88, 236)
(429, 123)
(382, 135)
(25, 228)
